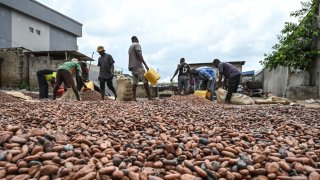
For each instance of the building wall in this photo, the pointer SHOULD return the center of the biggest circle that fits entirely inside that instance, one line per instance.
(45, 14)
(5, 28)
(22, 37)
(11, 68)
(40, 63)
(62, 40)
(295, 86)
(274, 81)
(316, 76)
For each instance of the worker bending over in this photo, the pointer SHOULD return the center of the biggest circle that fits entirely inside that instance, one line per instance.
(231, 74)
(65, 73)
(207, 76)
(45, 77)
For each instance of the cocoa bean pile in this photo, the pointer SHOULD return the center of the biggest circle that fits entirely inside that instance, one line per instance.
(7, 98)
(175, 138)
(90, 95)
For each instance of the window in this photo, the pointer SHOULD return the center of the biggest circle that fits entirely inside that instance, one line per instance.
(38, 32)
(31, 29)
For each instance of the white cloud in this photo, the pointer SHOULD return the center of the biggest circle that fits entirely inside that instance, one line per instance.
(168, 30)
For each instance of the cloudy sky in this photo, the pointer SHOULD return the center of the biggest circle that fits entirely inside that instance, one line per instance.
(198, 30)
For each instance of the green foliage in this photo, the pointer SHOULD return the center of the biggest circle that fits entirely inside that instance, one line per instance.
(24, 85)
(297, 43)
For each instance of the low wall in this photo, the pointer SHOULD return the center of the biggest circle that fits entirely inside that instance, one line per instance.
(295, 86)
(274, 81)
(40, 63)
(11, 68)
(301, 92)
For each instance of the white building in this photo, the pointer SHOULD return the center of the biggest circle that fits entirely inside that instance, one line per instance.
(34, 26)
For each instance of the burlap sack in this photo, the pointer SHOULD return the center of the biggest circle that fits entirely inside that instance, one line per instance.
(124, 89)
(69, 95)
(236, 98)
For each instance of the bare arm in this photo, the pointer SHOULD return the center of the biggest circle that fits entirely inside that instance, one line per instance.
(140, 57)
(175, 73)
(111, 62)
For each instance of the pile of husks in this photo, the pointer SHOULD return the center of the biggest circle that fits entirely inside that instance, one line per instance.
(176, 138)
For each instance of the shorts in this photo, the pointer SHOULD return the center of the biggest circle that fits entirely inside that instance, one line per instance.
(183, 83)
(65, 77)
(138, 75)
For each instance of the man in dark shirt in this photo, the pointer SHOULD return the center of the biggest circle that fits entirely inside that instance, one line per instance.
(230, 73)
(135, 66)
(183, 77)
(106, 73)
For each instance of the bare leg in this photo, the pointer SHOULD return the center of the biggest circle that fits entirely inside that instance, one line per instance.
(55, 90)
(134, 91)
(76, 92)
(146, 87)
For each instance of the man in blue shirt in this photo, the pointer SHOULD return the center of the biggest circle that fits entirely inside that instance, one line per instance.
(207, 76)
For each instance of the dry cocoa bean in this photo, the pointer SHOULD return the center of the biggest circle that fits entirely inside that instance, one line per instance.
(228, 154)
(133, 175)
(298, 167)
(308, 169)
(23, 170)
(49, 155)
(17, 139)
(21, 177)
(272, 176)
(172, 176)
(36, 149)
(189, 177)
(314, 176)
(117, 174)
(285, 166)
(89, 176)
(258, 158)
(107, 170)
(272, 167)
(49, 170)
(2, 173)
(32, 158)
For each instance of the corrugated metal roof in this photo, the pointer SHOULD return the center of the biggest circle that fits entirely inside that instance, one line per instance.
(62, 54)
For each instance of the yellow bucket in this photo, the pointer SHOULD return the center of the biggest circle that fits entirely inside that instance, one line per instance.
(152, 76)
(203, 94)
(89, 85)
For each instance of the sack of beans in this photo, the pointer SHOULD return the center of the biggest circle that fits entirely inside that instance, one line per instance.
(124, 89)
(236, 98)
(69, 95)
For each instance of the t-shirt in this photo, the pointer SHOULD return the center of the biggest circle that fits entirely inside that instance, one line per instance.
(106, 63)
(206, 73)
(228, 70)
(134, 61)
(49, 77)
(70, 66)
(184, 69)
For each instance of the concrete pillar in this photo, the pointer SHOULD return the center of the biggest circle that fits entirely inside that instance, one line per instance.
(25, 69)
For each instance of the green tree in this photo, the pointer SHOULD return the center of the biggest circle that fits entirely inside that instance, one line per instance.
(297, 46)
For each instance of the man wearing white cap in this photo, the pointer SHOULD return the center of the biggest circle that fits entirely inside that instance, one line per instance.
(106, 72)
